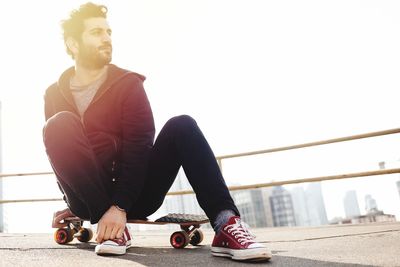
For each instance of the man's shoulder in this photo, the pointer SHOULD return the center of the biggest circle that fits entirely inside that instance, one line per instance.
(121, 73)
(62, 81)
(51, 89)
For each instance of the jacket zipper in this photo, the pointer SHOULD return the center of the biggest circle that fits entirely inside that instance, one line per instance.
(112, 171)
(116, 152)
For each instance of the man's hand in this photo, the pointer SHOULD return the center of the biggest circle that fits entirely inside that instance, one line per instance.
(111, 225)
(59, 216)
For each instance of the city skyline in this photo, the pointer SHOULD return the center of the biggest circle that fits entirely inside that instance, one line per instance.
(188, 204)
(276, 206)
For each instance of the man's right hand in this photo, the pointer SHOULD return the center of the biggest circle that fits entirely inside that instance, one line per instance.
(59, 216)
(111, 225)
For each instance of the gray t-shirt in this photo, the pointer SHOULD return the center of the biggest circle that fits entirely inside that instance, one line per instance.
(83, 95)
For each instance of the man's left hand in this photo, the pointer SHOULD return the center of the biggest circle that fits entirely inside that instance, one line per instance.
(59, 216)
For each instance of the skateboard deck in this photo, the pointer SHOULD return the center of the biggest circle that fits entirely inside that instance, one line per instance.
(189, 224)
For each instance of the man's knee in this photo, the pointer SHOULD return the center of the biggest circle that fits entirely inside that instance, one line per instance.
(182, 122)
(182, 126)
(60, 124)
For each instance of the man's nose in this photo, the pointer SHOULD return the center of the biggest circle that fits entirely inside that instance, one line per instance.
(106, 38)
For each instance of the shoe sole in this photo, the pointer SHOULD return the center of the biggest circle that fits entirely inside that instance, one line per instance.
(110, 250)
(253, 254)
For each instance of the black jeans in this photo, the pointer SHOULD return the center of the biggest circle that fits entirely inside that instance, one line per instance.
(88, 188)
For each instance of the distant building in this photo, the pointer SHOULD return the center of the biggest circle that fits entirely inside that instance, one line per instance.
(350, 204)
(254, 206)
(316, 205)
(266, 193)
(282, 207)
(370, 204)
(251, 206)
(301, 211)
(382, 165)
(182, 203)
(373, 216)
(309, 206)
(336, 220)
(377, 216)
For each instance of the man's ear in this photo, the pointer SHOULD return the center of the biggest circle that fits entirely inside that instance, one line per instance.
(72, 45)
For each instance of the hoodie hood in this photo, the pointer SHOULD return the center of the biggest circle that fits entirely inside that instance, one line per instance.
(114, 74)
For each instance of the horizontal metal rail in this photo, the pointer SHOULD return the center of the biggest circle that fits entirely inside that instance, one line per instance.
(251, 186)
(24, 174)
(318, 143)
(257, 152)
(29, 200)
(301, 180)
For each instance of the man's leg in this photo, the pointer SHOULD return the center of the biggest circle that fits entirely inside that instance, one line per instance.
(74, 162)
(181, 143)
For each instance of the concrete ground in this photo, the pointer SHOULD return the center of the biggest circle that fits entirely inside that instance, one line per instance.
(376, 244)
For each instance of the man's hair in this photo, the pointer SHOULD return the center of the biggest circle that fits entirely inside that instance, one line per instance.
(74, 25)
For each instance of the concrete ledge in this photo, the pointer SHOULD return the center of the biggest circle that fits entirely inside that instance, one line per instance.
(342, 245)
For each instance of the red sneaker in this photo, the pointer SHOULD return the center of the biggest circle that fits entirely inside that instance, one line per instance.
(236, 242)
(115, 246)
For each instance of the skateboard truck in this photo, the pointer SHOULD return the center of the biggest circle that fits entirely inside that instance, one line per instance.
(189, 235)
(73, 230)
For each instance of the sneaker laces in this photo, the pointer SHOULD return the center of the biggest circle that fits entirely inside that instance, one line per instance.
(246, 227)
(120, 241)
(240, 230)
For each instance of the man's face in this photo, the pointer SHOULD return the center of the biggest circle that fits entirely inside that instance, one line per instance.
(95, 49)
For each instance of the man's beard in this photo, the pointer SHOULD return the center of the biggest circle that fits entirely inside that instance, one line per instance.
(94, 57)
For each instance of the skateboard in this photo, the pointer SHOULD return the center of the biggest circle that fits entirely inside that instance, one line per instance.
(189, 234)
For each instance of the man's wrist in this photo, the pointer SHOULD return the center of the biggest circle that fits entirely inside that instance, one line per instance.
(119, 208)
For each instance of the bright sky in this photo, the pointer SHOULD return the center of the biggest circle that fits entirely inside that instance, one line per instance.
(254, 74)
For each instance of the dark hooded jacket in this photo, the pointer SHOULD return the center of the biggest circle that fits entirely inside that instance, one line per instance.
(120, 111)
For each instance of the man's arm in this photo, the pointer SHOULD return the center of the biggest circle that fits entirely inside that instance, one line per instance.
(137, 139)
(136, 142)
(48, 105)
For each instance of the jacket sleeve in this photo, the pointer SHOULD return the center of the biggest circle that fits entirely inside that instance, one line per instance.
(48, 106)
(136, 142)
(48, 113)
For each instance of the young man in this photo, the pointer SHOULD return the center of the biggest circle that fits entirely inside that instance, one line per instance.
(99, 139)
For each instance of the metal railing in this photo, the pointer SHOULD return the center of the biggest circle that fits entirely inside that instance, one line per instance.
(258, 152)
